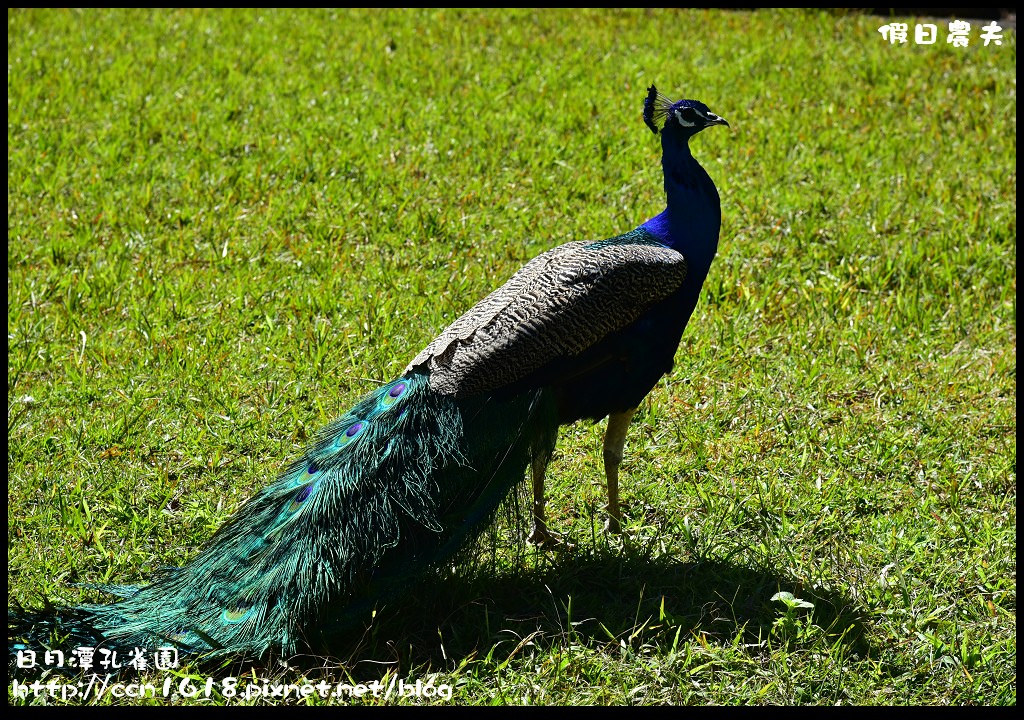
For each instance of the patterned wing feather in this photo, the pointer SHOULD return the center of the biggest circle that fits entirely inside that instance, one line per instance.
(559, 304)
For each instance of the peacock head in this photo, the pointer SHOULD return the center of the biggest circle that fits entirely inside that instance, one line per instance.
(685, 117)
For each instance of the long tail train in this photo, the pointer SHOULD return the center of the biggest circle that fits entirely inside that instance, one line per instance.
(400, 484)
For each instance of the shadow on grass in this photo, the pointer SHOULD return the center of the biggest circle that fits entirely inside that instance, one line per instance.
(595, 597)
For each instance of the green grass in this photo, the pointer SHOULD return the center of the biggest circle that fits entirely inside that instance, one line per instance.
(225, 227)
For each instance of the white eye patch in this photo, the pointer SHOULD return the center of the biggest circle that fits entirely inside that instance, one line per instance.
(682, 122)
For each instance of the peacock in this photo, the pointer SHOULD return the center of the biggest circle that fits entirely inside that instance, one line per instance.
(418, 468)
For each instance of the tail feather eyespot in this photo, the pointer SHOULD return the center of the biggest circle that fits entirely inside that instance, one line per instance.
(392, 395)
(238, 614)
(350, 433)
(299, 499)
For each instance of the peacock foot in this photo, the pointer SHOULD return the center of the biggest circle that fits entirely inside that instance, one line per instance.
(612, 525)
(544, 538)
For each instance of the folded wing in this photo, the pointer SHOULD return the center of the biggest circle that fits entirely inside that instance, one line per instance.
(558, 305)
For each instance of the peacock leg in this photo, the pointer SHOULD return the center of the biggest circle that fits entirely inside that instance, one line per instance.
(540, 534)
(614, 442)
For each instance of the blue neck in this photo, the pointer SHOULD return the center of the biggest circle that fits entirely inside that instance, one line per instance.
(693, 215)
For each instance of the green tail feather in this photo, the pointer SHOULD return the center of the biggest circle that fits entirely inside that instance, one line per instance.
(394, 488)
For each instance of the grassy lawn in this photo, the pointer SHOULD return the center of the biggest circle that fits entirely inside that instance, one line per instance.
(225, 227)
